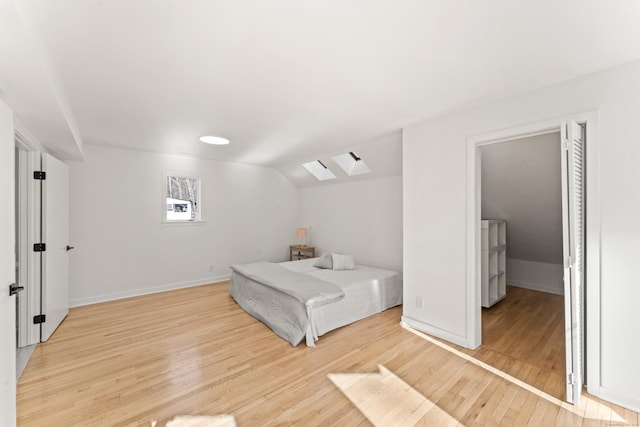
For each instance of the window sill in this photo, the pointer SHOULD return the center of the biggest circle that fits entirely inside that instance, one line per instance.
(182, 223)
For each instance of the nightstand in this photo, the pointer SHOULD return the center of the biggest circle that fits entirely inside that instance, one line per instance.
(298, 252)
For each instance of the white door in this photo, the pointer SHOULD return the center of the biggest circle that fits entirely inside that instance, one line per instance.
(55, 233)
(28, 217)
(573, 226)
(7, 271)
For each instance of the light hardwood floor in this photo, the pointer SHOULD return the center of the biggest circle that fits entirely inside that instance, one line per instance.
(194, 351)
(523, 335)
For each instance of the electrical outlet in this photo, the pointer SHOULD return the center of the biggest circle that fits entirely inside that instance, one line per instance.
(210, 268)
(419, 302)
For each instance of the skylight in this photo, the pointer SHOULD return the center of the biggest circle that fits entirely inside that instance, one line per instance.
(319, 170)
(351, 164)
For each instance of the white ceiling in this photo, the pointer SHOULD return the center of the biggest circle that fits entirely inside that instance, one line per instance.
(286, 80)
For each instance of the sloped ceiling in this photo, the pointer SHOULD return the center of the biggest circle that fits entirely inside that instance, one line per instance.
(30, 85)
(521, 183)
(383, 156)
(286, 80)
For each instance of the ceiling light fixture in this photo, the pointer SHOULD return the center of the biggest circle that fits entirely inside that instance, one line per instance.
(215, 140)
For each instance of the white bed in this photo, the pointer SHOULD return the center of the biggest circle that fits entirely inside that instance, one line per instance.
(367, 291)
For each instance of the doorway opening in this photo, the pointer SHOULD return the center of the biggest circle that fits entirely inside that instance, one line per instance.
(523, 319)
(42, 246)
(27, 269)
(580, 238)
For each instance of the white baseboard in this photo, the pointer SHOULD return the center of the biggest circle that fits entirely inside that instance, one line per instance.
(435, 331)
(535, 287)
(146, 291)
(23, 354)
(538, 276)
(612, 396)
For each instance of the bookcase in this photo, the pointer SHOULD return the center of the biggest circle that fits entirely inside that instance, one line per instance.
(494, 261)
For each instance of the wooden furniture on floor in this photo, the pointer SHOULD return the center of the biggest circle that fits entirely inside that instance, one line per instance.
(494, 261)
(195, 352)
(298, 252)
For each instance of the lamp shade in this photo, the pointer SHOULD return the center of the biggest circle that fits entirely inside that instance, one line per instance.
(301, 232)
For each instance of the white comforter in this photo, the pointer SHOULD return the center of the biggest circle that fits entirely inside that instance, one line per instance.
(281, 298)
(367, 290)
(308, 289)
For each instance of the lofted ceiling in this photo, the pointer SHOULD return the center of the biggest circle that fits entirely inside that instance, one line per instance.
(287, 81)
(522, 184)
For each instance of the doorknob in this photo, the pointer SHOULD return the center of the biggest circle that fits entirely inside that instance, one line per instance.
(69, 248)
(14, 289)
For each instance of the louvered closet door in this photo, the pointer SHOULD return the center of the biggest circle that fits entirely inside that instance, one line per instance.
(573, 251)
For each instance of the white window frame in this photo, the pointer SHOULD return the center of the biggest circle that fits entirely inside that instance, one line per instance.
(199, 218)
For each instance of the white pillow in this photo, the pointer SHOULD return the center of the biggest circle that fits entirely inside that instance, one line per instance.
(343, 262)
(325, 261)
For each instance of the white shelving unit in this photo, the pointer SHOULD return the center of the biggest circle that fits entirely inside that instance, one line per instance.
(494, 261)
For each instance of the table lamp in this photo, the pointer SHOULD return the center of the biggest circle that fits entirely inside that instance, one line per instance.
(301, 232)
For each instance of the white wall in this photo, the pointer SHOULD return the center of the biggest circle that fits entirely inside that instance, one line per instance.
(7, 270)
(435, 209)
(363, 219)
(538, 276)
(122, 248)
(521, 184)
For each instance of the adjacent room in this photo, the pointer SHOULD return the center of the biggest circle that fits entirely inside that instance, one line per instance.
(522, 193)
(332, 213)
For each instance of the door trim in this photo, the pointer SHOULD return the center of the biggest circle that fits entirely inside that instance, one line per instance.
(592, 232)
(28, 223)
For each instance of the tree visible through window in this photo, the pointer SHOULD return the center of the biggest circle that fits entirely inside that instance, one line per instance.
(183, 194)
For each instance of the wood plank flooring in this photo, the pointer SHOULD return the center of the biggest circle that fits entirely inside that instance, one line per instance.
(523, 335)
(195, 352)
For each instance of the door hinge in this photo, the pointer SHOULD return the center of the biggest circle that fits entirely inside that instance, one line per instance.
(40, 318)
(39, 175)
(571, 378)
(565, 144)
(567, 262)
(39, 247)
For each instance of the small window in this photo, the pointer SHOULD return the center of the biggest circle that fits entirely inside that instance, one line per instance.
(182, 194)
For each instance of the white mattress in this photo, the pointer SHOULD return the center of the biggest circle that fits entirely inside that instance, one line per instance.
(368, 290)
